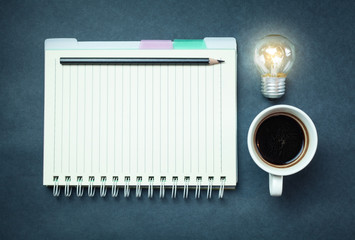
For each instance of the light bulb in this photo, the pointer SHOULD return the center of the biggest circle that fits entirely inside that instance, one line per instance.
(274, 56)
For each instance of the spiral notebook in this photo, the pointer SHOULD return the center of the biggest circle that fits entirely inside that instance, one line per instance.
(111, 128)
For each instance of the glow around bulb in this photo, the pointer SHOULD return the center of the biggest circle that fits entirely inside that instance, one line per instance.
(274, 56)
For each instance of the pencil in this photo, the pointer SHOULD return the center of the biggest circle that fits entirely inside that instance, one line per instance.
(120, 61)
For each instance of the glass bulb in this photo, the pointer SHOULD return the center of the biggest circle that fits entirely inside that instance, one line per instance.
(274, 56)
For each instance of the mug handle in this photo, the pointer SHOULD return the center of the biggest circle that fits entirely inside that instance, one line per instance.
(275, 185)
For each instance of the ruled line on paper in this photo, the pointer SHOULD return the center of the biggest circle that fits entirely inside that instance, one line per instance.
(190, 120)
(138, 83)
(167, 119)
(130, 118)
(114, 119)
(77, 105)
(198, 120)
(61, 138)
(213, 103)
(122, 118)
(92, 115)
(183, 118)
(84, 140)
(99, 126)
(152, 118)
(107, 93)
(145, 118)
(55, 115)
(69, 113)
(220, 94)
(206, 135)
(160, 149)
(175, 121)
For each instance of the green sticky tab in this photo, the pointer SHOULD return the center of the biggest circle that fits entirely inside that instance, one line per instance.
(189, 44)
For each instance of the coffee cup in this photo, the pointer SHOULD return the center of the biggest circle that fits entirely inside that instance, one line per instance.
(282, 140)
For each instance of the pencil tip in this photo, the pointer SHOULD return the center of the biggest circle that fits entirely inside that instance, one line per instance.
(213, 61)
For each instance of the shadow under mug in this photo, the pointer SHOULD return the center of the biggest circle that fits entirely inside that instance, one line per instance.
(276, 172)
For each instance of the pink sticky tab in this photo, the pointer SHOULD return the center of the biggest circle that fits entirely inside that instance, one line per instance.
(156, 44)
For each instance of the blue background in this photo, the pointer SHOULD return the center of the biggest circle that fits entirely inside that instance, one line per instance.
(317, 203)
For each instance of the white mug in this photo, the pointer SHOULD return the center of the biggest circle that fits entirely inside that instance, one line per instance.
(276, 173)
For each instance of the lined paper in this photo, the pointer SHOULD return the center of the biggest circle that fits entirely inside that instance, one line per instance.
(140, 121)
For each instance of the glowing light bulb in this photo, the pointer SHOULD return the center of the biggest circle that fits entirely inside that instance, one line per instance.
(274, 56)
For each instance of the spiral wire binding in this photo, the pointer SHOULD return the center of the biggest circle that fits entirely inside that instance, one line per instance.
(114, 189)
(126, 190)
(221, 188)
(103, 188)
(56, 188)
(174, 187)
(209, 188)
(91, 188)
(79, 189)
(150, 187)
(67, 188)
(138, 187)
(198, 187)
(162, 187)
(186, 187)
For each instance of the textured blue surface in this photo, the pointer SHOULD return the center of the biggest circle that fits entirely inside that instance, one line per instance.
(318, 203)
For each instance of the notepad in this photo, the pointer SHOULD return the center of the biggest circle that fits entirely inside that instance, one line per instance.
(126, 127)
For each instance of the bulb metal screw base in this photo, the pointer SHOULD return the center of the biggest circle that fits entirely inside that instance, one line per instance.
(273, 87)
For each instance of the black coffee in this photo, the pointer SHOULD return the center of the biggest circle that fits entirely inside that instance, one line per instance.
(280, 139)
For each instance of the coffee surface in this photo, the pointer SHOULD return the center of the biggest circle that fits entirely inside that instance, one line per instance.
(280, 139)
